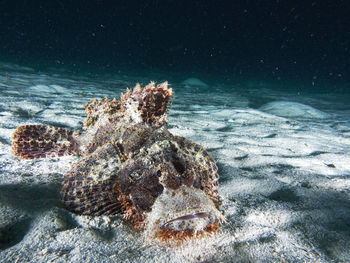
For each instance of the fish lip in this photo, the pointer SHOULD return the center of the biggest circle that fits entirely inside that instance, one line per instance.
(179, 236)
(197, 215)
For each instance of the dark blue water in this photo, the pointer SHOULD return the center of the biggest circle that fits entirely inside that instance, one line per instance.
(303, 43)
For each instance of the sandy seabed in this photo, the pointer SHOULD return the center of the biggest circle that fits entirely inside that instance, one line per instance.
(283, 158)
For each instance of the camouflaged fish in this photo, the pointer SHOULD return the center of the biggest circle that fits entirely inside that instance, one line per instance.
(130, 163)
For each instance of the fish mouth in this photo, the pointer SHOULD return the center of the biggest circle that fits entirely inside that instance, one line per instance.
(194, 216)
(188, 226)
(181, 214)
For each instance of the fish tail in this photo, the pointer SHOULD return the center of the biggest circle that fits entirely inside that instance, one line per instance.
(38, 141)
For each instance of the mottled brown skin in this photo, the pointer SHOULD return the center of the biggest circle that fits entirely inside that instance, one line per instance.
(127, 156)
(135, 181)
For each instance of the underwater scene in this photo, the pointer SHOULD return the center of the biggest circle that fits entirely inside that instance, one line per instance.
(174, 131)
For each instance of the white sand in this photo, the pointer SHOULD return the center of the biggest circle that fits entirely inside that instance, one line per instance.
(284, 177)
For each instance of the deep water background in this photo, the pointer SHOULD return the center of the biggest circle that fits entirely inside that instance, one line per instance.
(292, 44)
